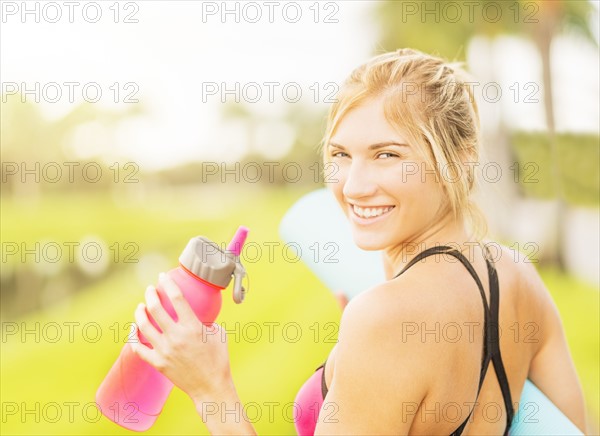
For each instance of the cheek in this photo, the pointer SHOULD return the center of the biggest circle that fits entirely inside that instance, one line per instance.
(421, 188)
(332, 172)
(334, 181)
(334, 176)
(407, 177)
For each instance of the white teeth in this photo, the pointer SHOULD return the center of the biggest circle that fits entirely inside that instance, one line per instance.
(371, 211)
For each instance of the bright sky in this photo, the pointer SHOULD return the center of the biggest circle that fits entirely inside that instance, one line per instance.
(177, 50)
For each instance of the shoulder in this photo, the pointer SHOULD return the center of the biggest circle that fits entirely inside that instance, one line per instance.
(382, 363)
(435, 289)
(383, 324)
(519, 275)
(529, 300)
(375, 371)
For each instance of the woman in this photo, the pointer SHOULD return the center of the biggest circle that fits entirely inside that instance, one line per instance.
(420, 353)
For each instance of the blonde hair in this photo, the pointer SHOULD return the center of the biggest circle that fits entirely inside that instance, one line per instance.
(430, 102)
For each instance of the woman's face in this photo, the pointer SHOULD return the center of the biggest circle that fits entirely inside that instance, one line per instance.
(384, 187)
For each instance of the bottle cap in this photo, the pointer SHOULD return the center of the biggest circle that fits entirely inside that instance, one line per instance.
(206, 260)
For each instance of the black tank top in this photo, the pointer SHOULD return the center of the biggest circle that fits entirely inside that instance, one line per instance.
(491, 344)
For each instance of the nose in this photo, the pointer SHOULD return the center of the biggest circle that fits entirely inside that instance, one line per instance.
(359, 181)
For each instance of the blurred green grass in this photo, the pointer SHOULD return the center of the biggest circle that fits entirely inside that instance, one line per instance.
(270, 369)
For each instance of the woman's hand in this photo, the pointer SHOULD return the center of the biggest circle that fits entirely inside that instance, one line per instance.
(193, 356)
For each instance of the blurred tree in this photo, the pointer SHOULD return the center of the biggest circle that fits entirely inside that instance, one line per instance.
(444, 28)
(27, 137)
(29, 141)
(553, 18)
(308, 126)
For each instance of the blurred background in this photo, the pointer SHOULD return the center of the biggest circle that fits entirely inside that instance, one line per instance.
(129, 127)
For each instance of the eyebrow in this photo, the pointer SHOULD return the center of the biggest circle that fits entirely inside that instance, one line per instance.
(372, 146)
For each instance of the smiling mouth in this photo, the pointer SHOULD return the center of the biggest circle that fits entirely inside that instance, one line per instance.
(371, 212)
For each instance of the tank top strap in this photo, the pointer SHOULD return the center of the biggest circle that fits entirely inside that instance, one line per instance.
(494, 342)
(444, 249)
(324, 389)
(423, 254)
(488, 327)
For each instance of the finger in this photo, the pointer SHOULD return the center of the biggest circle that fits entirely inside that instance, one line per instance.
(144, 353)
(180, 304)
(213, 329)
(156, 309)
(342, 299)
(145, 327)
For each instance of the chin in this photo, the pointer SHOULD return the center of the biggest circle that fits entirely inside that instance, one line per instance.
(368, 244)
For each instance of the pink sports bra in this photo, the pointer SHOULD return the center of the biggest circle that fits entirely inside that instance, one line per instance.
(308, 403)
(309, 399)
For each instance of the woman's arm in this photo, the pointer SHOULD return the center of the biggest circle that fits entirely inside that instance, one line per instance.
(377, 380)
(223, 414)
(552, 369)
(193, 356)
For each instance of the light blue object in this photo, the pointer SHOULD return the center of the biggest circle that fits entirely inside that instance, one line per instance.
(538, 415)
(318, 226)
(321, 233)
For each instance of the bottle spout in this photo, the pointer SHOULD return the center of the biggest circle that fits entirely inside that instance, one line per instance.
(236, 244)
(235, 247)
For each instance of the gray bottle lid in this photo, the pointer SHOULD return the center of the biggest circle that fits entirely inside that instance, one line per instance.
(206, 260)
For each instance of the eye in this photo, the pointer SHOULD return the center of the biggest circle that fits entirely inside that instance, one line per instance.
(338, 154)
(387, 155)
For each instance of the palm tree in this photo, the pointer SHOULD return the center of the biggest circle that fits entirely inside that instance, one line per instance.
(554, 16)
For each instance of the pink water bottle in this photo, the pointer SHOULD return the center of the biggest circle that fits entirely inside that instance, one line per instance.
(134, 393)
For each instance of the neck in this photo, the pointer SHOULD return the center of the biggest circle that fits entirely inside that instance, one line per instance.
(447, 231)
